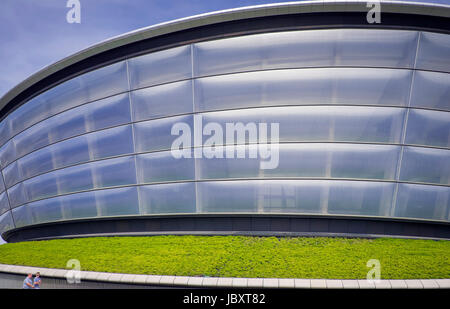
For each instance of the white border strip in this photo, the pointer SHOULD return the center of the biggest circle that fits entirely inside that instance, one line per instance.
(224, 282)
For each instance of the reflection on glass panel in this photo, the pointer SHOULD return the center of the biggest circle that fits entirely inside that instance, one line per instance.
(168, 198)
(304, 160)
(92, 146)
(160, 67)
(4, 205)
(156, 134)
(290, 49)
(90, 86)
(296, 196)
(17, 195)
(321, 123)
(423, 201)
(11, 174)
(431, 90)
(99, 174)
(4, 132)
(6, 222)
(425, 165)
(162, 166)
(428, 128)
(2, 185)
(112, 202)
(349, 86)
(7, 154)
(165, 100)
(94, 116)
(433, 52)
(111, 142)
(118, 202)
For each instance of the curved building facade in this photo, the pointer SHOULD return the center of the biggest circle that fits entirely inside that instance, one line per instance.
(362, 111)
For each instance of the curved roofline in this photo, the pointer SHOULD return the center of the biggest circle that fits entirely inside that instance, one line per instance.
(216, 17)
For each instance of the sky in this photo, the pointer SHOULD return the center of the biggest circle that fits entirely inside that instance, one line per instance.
(35, 33)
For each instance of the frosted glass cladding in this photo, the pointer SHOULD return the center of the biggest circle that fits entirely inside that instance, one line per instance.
(426, 165)
(309, 48)
(434, 51)
(156, 134)
(321, 123)
(163, 167)
(2, 184)
(102, 203)
(347, 86)
(428, 128)
(4, 132)
(363, 124)
(7, 154)
(306, 160)
(88, 87)
(6, 222)
(423, 201)
(101, 114)
(165, 100)
(168, 198)
(4, 205)
(101, 174)
(160, 67)
(431, 90)
(92, 146)
(296, 196)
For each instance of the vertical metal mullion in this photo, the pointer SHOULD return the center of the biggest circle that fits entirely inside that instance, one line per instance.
(403, 137)
(133, 139)
(198, 206)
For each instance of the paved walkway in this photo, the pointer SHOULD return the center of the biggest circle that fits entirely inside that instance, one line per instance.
(210, 282)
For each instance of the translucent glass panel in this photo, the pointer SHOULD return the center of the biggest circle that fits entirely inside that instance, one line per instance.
(92, 146)
(434, 51)
(6, 222)
(423, 201)
(431, 90)
(156, 134)
(425, 165)
(335, 47)
(168, 198)
(99, 174)
(101, 203)
(91, 86)
(160, 67)
(7, 154)
(165, 100)
(349, 86)
(428, 128)
(4, 132)
(94, 116)
(4, 205)
(296, 196)
(306, 160)
(321, 123)
(2, 185)
(163, 167)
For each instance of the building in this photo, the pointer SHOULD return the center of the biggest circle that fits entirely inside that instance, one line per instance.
(363, 113)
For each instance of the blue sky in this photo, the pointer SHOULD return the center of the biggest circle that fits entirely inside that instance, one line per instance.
(35, 33)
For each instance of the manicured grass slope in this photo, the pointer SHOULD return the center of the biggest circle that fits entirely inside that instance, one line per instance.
(238, 256)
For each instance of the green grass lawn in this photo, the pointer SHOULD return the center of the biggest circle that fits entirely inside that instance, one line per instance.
(239, 256)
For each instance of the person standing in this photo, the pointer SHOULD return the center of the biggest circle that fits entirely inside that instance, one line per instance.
(28, 282)
(37, 281)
